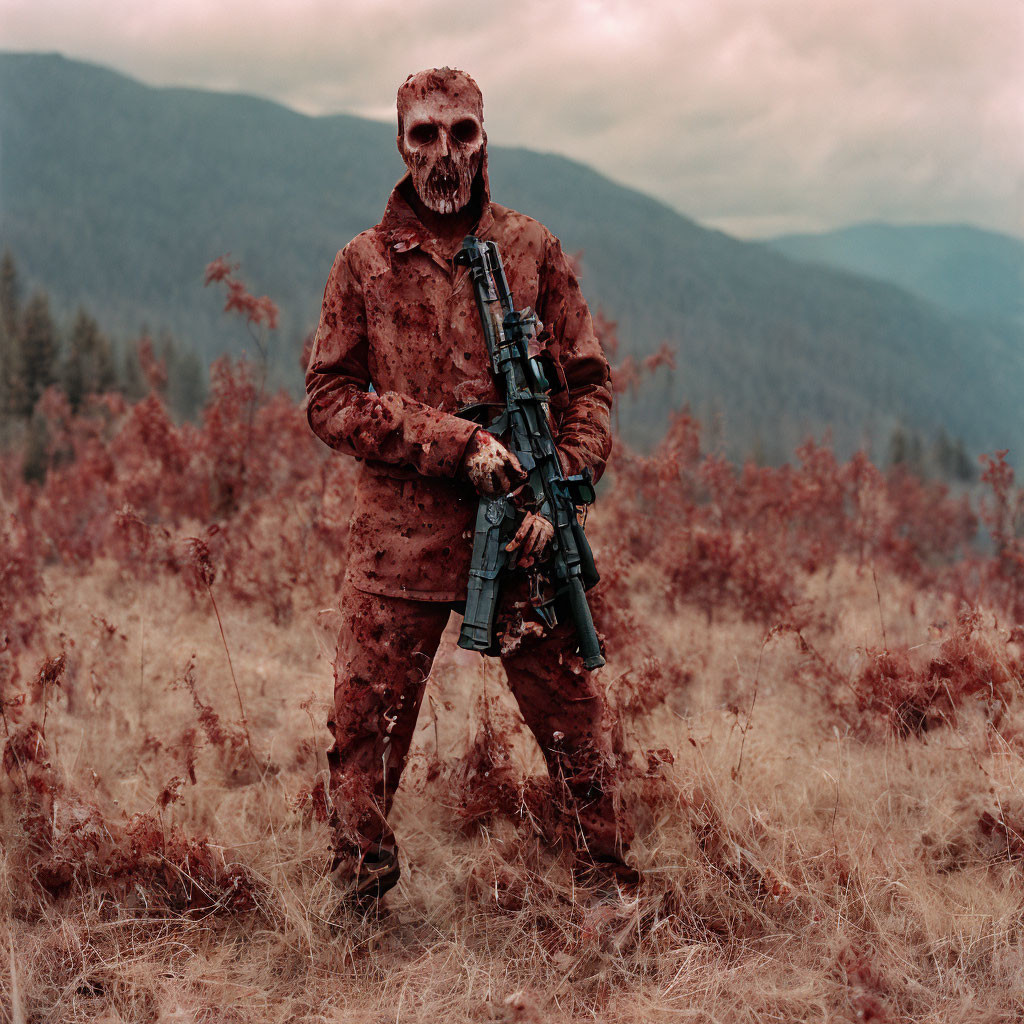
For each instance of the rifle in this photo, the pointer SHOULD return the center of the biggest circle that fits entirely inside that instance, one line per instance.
(557, 585)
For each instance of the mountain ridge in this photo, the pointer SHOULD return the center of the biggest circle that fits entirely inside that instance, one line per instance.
(972, 271)
(117, 194)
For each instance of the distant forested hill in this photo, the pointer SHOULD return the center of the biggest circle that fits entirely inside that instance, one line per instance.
(116, 195)
(972, 272)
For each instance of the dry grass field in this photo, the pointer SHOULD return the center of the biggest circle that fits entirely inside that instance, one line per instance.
(794, 870)
(822, 704)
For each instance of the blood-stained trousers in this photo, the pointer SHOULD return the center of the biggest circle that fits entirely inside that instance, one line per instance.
(385, 649)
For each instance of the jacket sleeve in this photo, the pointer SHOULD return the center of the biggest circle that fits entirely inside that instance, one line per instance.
(583, 413)
(345, 414)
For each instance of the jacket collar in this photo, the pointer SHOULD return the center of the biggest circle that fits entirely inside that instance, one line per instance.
(402, 230)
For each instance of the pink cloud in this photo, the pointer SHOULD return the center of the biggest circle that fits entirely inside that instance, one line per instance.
(753, 116)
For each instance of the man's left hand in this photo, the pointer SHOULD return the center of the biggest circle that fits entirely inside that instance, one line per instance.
(531, 540)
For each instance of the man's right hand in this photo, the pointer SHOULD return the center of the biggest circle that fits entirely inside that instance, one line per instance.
(490, 467)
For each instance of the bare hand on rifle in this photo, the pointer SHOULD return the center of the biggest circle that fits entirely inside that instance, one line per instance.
(531, 540)
(491, 468)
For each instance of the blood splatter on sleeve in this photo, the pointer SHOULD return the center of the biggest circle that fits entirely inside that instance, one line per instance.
(345, 414)
(584, 435)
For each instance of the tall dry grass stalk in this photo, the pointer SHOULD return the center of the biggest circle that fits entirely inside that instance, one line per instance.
(17, 1013)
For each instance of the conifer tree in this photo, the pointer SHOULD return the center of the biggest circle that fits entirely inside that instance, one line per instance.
(10, 295)
(897, 446)
(186, 390)
(89, 368)
(9, 317)
(37, 366)
(35, 453)
(963, 468)
(915, 455)
(132, 382)
(942, 454)
(7, 356)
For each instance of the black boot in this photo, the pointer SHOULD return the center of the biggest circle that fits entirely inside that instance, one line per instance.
(375, 873)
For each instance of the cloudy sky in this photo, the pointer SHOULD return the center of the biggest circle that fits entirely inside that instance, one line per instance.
(755, 116)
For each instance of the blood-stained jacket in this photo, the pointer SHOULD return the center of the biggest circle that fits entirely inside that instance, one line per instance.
(398, 315)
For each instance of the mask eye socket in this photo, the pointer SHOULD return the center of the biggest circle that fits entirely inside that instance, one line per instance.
(423, 133)
(466, 131)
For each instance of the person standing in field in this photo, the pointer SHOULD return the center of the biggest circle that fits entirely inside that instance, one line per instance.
(397, 354)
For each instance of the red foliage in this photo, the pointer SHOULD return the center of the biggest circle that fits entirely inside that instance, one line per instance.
(67, 842)
(257, 311)
(485, 783)
(228, 740)
(154, 370)
(664, 357)
(911, 694)
(134, 485)
(747, 538)
(1003, 515)
(25, 745)
(1005, 832)
(219, 269)
(21, 585)
(315, 797)
(869, 988)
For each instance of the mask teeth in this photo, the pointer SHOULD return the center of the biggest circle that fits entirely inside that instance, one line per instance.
(440, 204)
(440, 189)
(442, 197)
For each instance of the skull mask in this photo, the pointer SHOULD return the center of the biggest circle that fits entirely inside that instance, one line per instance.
(441, 136)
